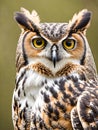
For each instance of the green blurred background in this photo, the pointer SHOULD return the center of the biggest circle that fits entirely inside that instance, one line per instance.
(49, 11)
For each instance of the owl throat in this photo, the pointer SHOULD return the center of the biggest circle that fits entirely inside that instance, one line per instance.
(66, 70)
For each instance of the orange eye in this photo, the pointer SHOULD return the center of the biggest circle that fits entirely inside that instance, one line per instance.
(69, 44)
(39, 43)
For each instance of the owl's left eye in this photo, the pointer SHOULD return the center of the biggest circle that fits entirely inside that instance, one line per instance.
(69, 44)
(39, 43)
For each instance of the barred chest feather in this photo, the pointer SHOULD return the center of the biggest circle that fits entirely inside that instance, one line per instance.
(49, 100)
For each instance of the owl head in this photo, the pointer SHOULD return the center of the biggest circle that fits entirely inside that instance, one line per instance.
(54, 49)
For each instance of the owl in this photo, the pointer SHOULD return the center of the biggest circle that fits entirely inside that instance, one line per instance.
(56, 79)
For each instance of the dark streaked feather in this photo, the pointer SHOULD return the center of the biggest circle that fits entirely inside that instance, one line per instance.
(25, 23)
(23, 20)
(80, 21)
(84, 21)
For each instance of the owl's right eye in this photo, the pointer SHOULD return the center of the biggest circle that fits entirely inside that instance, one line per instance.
(38, 43)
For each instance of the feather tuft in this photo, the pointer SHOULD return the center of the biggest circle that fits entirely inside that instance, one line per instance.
(80, 21)
(33, 16)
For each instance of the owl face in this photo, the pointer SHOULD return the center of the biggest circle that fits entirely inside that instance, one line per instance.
(52, 47)
(41, 49)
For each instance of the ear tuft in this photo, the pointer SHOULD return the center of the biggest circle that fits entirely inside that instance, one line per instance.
(33, 16)
(26, 20)
(80, 21)
(22, 21)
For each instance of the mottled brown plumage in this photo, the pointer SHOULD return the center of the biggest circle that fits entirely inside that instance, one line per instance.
(56, 79)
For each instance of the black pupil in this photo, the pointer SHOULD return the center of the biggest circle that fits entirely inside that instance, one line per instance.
(68, 43)
(38, 42)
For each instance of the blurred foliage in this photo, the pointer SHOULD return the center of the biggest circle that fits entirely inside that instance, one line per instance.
(49, 11)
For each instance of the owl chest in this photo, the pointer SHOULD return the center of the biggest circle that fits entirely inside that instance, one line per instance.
(55, 100)
(50, 99)
(34, 88)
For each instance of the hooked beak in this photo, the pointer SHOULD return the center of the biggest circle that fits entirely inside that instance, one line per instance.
(54, 56)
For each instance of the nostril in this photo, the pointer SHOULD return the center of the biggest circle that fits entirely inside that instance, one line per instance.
(54, 47)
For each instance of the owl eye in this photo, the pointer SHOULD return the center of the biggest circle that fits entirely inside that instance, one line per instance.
(69, 44)
(39, 43)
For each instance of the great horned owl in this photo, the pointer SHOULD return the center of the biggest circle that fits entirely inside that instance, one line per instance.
(56, 78)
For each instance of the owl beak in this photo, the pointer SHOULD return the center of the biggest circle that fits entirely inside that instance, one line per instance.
(54, 54)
